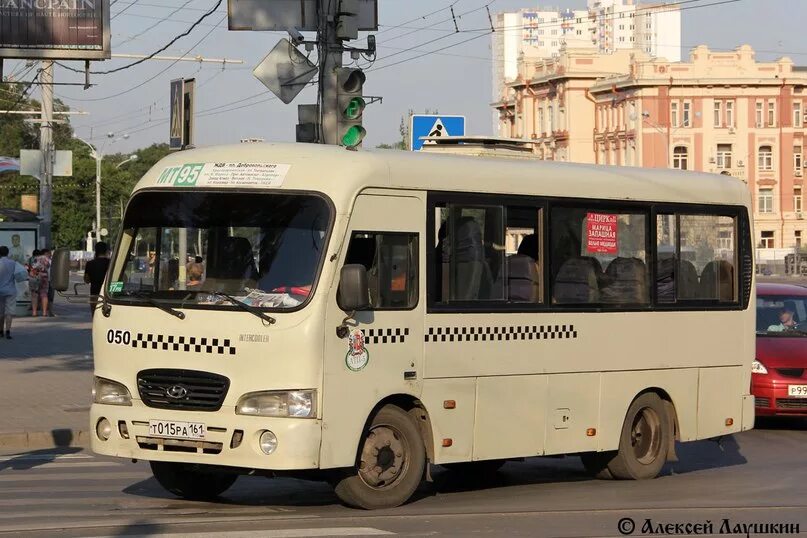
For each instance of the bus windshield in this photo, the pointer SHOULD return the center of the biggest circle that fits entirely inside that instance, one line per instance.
(195, 248)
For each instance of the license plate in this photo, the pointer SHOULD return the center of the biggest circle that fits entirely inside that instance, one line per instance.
(176, 430)
(799, 391)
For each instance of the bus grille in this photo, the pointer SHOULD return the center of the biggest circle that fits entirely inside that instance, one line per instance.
(186, 390)
(791, 403)
(791, 372)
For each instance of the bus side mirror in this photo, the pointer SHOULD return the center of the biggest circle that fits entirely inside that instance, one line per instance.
(60, 269)
(354, 291)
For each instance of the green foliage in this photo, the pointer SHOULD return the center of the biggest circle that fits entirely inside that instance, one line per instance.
(73, 197)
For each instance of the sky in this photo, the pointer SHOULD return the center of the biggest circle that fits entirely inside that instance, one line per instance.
(454, 80)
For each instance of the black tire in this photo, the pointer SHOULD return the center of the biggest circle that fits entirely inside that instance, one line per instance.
(596, 464)
(483, 470)
(392, 461)
(189, 482)
(644, 442)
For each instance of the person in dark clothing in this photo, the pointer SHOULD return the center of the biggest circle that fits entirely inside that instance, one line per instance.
(95, 271)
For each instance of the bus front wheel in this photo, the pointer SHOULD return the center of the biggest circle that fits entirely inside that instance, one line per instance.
(391, 463)
(189, 482)
(644, 441)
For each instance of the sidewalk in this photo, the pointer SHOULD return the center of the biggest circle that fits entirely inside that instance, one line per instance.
(46, 379)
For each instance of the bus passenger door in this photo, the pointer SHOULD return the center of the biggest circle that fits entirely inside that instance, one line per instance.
(381, 352)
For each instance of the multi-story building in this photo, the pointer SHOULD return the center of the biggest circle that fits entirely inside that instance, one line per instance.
(606, 26)
(720, 112)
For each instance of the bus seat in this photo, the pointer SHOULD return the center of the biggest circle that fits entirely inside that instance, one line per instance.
(665, 280)
(472, 273)
(688, 285)
(627, 282)
(523, 280)
(717, 281)
(576, 282)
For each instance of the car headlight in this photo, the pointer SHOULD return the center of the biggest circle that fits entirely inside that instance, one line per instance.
(758, 368)
(278, 403)
(106, 391)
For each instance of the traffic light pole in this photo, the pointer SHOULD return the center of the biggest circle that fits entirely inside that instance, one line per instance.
(331, 54)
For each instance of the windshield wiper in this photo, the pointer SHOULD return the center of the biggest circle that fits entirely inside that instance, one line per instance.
(153, 302)
(243, 306)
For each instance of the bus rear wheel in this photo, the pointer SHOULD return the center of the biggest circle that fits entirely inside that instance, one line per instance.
(644, 441)
(189, 482)
(391, 463)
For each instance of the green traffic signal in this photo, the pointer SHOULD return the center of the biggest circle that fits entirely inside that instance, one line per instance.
(354, 108)
(353, 136)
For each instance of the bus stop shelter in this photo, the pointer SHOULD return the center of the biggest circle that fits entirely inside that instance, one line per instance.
(19, 231)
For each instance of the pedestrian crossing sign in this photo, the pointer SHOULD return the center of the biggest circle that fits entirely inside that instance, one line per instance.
(432, 125)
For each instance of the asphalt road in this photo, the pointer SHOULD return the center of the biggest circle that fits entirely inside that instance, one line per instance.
(756, 477)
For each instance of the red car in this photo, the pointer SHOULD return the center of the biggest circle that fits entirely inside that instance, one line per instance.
(779, 373)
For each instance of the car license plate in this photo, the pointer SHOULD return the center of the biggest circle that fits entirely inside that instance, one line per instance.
(177, 430)
(799, 391)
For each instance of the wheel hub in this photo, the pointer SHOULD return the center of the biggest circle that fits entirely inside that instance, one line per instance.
(645, 436)
(383, 457)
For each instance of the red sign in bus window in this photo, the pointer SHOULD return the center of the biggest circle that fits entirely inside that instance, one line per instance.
(601, 233)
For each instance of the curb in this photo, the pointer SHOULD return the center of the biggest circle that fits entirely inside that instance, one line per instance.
(43, 440)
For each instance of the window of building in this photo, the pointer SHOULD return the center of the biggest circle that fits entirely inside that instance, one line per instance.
(554, 32)
(797, 199)
(681, 158)
(554, 43)
(765, 158)
(718, 113)
(765, 200)
(724, 156)
(541, 31)
(674, 114)
(797, 117)
(598, 256)
(685, 114)
(696, 258)
(729, 113)
(487, 253)
(771, 114)
(797, 237)
(541, 119)
(551, 116)
(622, 39)
(391, 260)
(797, 160)
(759, 114)
(766, 239)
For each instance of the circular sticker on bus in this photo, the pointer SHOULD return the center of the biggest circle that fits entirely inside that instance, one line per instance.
(357, 355)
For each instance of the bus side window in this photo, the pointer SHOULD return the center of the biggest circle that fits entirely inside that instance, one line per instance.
(391, 260)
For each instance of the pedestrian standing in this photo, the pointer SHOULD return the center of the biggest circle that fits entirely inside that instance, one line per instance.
(39, 286)
(11, 272)
(51, 291)
(95, 272)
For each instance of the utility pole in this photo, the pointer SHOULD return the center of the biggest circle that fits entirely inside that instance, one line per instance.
(331, 54)
(46, 147)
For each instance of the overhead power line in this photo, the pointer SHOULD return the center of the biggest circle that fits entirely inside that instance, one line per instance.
(156, 52)
(155, 25)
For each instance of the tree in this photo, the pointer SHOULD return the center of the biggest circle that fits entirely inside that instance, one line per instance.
(403, 128)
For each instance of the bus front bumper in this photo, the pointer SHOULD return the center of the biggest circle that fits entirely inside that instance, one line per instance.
(230, 440)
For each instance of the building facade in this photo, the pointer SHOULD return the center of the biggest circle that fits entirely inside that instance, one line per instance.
(605, 26)
(720, 112)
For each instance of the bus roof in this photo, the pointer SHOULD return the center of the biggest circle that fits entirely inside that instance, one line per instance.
(341, 174)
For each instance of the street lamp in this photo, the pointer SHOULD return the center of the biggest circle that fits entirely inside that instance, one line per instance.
(132, 157)
(98, 155)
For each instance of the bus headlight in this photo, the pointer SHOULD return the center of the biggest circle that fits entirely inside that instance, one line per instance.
(758, 368)
(106, 391)
(279, 403)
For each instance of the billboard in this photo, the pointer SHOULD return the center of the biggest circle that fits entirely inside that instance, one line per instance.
(282, 15)
(55, 29)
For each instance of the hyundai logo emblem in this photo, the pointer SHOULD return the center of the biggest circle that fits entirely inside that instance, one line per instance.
(177, 392)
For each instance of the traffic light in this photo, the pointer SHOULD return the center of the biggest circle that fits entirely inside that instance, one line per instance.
(350, 82)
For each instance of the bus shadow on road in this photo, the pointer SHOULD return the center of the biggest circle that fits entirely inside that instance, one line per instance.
(704, 455)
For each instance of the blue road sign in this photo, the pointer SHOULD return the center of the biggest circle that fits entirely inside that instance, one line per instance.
(433, 125)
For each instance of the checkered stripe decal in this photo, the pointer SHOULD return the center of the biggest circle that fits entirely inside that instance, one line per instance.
(385, 336)
(183, 343)
(500, 334)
